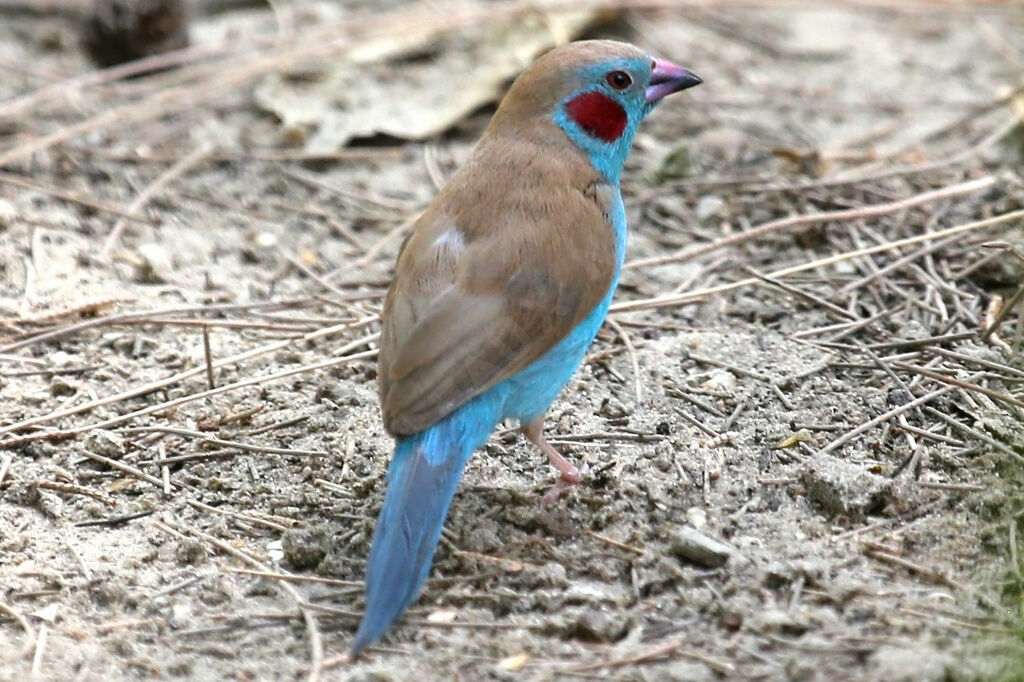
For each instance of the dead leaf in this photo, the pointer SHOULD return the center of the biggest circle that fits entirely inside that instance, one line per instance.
(413, 85)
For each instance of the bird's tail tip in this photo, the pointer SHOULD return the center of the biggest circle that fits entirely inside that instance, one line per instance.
(367, 634)
(422, 479)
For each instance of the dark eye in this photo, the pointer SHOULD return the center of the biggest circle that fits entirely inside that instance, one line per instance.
(619, 80)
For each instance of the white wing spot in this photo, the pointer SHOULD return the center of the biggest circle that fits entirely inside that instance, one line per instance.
(451, 241)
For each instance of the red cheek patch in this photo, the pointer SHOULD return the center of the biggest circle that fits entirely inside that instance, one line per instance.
(598, 114)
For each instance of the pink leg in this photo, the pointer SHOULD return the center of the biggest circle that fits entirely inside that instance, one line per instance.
(570, 474)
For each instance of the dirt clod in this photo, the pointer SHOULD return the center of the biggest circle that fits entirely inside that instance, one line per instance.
(840, 489)
(305, 548)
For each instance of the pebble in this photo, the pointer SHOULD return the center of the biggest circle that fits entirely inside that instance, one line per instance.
(691, 545)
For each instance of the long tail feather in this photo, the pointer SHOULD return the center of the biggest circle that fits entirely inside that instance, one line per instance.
(422, 479)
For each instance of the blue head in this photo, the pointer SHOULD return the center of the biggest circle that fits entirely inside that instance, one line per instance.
(596, 92)
(612, 87)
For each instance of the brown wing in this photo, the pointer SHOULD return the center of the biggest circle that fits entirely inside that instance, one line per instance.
(478, 297)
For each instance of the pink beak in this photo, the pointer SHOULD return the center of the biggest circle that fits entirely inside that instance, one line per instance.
(667, 78)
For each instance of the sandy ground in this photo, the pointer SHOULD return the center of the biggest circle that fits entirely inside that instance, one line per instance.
(812, 479)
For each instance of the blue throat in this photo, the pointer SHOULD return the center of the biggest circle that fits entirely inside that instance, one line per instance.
(606, 157)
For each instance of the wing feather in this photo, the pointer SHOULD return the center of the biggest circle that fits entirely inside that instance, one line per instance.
(458, 321)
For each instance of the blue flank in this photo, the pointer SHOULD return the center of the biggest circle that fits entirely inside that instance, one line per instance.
(427, 466)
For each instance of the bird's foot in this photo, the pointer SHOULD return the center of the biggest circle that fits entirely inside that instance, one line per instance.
(570, 474)
(570, 477)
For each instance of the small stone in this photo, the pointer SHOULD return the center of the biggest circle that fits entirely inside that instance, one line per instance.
(371, 676)
(215, 592)
(544, 601)
(691, 545)
(844, 588)
(35, 397)
(513, 663)
(180, 667)
(697, 517)
(169, 357)
(61, 387)
(780, 574)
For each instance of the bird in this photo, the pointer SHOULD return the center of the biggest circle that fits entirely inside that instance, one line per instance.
(499, 290)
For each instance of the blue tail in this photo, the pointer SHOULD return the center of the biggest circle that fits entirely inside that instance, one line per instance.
(422, 479)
